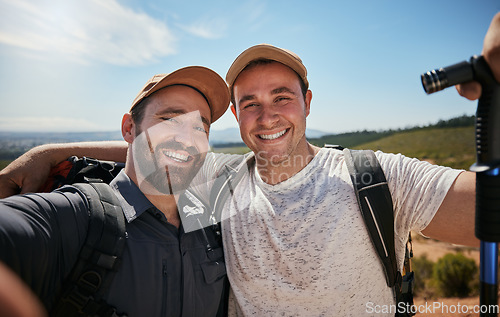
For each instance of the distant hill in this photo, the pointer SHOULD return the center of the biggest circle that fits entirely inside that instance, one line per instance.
(447, 142)
(352, 139)
(14, 144)
(453, 147)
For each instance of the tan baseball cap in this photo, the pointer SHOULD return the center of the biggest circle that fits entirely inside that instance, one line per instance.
(205, 80)
(266, 51)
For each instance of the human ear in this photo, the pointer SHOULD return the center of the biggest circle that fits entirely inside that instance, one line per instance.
(128, 128)
(233, 110)
(308, 102)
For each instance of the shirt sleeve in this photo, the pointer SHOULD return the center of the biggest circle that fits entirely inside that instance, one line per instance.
(418, 188)
(41, 236)
(214, 163)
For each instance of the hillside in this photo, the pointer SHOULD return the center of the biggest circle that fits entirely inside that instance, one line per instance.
(453, 147)
(449, 143)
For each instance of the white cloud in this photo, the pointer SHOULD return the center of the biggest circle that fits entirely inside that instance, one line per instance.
(47, 124)
(207, 28)
(86, 31)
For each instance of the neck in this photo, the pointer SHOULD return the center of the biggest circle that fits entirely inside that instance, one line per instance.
(277, 171)
(167, 204)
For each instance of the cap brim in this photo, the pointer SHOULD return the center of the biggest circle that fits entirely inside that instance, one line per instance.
(205, 80)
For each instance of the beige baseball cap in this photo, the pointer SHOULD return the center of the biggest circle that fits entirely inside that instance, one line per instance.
(266, 51)
(205, 80)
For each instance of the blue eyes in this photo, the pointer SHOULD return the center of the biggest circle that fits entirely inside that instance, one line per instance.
(173, 120)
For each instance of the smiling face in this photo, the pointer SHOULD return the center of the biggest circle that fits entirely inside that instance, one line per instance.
(271, 111)
(171, 141)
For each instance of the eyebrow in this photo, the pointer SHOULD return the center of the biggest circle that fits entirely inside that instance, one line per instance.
(246, 98)
(282, 90)
(180, 112)
(273, 92)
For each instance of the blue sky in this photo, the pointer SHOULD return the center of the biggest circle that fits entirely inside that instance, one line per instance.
(68, 65)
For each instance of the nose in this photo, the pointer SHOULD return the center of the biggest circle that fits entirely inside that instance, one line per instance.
(268, 116)
(184, 134)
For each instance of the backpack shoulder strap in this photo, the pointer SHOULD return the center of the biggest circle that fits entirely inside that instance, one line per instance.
(374, 199)
(98, 258)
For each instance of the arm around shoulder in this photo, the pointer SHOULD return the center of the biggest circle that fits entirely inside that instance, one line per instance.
(30, 171)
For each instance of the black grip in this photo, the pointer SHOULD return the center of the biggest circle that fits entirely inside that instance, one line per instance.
(487, 116)
(488, 207)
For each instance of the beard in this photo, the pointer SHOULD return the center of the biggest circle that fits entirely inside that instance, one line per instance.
(158, 173)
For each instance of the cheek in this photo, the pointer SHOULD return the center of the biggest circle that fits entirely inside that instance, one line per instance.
(201, 143)
(246, 119)
(245, 122)
(295, 114)
(159, 133)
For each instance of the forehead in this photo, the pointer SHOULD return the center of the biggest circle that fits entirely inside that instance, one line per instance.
(266, 76)
(256, 67)
(178, 99)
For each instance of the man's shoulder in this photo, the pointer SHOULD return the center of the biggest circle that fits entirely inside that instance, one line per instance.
(218, 160)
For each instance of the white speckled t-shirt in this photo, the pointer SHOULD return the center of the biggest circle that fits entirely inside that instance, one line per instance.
(300, 248)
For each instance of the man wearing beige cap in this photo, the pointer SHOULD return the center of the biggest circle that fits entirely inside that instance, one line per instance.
(164, 270)
(294, 239)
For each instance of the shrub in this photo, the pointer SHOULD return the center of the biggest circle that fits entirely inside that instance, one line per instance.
(423, 268)
(454, 275)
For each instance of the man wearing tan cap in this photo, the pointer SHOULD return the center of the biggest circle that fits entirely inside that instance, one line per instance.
(294, 240)
(164, 270)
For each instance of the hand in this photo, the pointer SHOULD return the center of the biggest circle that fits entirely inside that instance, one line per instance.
(19, 176)
(16, 298)
(491, 53)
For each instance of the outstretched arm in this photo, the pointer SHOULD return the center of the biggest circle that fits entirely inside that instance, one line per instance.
(454, 220)
(28, 172)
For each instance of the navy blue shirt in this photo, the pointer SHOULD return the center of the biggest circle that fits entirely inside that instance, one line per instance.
(164, 271)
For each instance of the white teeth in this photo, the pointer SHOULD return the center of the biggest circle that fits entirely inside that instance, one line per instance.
(176, 156)
(272, 136)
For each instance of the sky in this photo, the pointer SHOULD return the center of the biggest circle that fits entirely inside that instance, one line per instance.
(68, 65)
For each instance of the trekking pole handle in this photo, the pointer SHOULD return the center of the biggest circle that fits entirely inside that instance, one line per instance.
(488, 110)
(487, 166)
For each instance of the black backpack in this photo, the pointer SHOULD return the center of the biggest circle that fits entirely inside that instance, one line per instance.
(374, 199)
(100, 256)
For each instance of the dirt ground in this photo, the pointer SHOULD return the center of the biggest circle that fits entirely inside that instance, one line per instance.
(455, 307)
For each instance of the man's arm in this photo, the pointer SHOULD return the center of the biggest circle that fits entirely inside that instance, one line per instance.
(28, 172)
(454, 220)
(41, 236)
